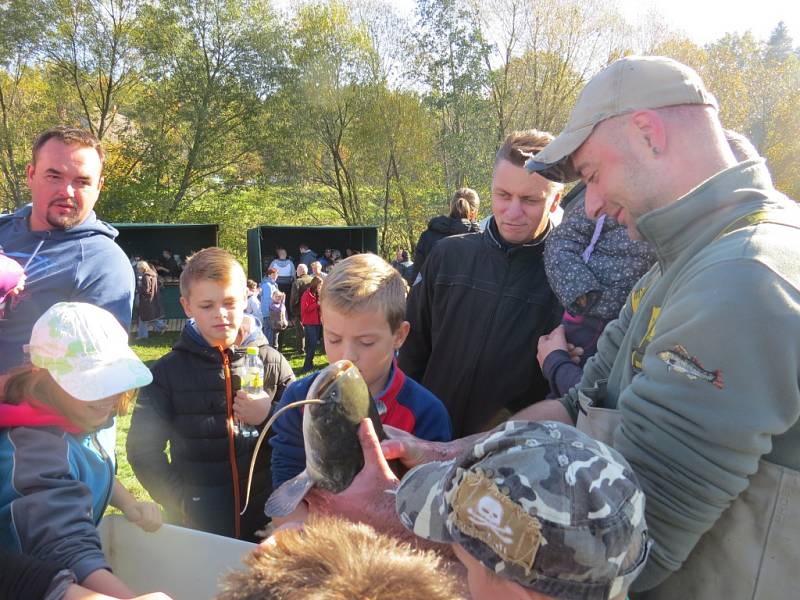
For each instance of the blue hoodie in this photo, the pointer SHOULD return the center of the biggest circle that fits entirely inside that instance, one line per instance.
(54, 487)
(82, 264)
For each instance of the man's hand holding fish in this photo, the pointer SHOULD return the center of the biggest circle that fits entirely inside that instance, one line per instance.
(412, 451)
(370, 498)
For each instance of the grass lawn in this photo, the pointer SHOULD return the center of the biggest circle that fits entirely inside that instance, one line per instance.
(149, 351)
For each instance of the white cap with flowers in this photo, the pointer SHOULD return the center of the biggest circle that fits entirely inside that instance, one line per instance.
(85, 350)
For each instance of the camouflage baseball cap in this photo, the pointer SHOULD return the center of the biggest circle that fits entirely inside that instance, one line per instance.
(539, 503)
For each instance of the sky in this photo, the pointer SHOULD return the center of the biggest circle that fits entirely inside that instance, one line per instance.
(706, 21)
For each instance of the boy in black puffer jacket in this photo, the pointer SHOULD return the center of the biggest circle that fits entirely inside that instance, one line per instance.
(194, 401)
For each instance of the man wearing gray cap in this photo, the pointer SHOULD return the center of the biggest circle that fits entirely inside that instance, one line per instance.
(688, 383)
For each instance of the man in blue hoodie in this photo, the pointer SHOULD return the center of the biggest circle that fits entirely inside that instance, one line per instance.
(67, 252)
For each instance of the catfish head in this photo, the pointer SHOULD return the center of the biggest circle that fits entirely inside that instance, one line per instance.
(343, 396)
(336, 403)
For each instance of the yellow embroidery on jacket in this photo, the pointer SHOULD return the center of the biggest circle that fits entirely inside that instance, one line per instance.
(636, 297)
(638, 352)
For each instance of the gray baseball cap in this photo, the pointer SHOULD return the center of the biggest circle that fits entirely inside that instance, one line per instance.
(539, 503)
(626, 85)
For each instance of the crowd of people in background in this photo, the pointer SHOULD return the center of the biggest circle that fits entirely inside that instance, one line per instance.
(275, 301)
(281, 294)
(151, 275)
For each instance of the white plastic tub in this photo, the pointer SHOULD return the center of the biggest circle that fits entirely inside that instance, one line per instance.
(184, 563)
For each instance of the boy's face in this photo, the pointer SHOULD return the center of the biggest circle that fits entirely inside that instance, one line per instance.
(365, 339)
(484, 585)
(217, 308)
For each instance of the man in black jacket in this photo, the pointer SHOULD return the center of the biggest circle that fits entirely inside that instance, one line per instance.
(482, 300)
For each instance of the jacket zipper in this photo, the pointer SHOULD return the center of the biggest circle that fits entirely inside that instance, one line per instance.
(107, 460)
(501, 289)
(226, 365)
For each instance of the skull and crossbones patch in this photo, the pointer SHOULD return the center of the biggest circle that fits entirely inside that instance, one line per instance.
(481, 511)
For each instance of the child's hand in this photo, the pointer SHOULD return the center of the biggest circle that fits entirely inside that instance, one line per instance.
(146, 515)
(19, 287)
(253, 409)
(555, 340)
(575, 353)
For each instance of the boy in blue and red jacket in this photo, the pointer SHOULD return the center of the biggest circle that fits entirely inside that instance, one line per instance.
(363, 310)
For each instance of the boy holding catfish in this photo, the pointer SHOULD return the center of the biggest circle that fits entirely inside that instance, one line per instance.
(363, 309)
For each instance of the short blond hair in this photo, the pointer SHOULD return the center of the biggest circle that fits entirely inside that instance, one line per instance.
(365, 282)
(519, 146)
(212, 263)
(334, 559)
(28, 382)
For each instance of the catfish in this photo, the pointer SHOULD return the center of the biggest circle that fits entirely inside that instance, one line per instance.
(336, 403)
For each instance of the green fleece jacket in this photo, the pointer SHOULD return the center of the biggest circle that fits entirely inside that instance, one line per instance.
(703, 360)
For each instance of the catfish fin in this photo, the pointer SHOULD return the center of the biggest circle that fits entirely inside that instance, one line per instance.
(286, 498)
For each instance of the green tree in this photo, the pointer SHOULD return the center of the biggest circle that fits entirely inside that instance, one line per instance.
(89, 44)
(451, 63)
(543, 52)
(779, 45)
(758, 93)
(208, 66)
(332, 84)
(21, 98)
(401, 167)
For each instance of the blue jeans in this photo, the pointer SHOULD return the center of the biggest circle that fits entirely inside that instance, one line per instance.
(313, 333)
(143, 328)
(268, 333)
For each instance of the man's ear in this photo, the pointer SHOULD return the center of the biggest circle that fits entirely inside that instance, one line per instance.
(556, 202)
(649, 131)
(100, 183)
(29, 171)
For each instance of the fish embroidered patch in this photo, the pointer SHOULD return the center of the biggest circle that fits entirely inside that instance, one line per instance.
(679, 360)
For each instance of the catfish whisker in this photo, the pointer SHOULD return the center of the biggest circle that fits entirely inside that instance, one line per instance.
(262, 436)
